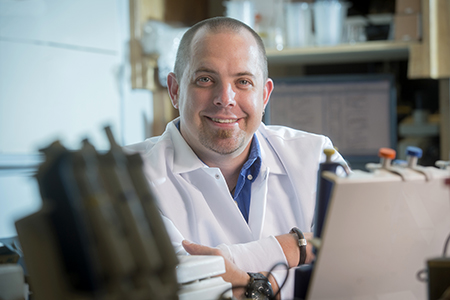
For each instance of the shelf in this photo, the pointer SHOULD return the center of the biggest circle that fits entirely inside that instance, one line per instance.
(344, 53)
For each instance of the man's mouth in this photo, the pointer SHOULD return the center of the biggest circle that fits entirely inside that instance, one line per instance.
(224, 121)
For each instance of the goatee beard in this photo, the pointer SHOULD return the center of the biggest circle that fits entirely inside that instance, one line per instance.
(222, 141)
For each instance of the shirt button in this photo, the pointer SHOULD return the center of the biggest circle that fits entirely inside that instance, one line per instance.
(217, 176)
(249, 177)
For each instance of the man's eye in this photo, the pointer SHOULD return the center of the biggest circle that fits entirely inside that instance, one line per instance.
(244, 82)
(203, 79)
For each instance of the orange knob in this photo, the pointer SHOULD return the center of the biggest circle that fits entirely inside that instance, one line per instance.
(387, 153)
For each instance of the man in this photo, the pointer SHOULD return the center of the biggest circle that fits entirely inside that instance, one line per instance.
(225, 181)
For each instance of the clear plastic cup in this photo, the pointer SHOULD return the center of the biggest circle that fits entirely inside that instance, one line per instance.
(243, 11)
(329, 17)
(298, 24)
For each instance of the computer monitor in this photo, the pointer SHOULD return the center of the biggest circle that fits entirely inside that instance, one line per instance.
(357, 112)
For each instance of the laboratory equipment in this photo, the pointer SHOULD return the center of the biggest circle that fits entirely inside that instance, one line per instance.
(12, 285)
(438, 278)
(361, 28)
(381, 228)
(270, 23)
(324, 189)
(198, 279)
(420, 129)
(354, 30)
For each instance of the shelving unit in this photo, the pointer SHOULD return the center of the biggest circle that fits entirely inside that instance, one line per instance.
(343, 53)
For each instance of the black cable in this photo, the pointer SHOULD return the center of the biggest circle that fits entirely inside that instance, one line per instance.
(444, 253)
(285, 279)
(421, 275)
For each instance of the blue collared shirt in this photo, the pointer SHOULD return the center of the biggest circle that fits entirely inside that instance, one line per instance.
(248, 174)
(243, 191)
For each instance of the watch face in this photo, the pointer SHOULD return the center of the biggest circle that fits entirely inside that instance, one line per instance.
(263, 290)
(259, 287)
(258, 295)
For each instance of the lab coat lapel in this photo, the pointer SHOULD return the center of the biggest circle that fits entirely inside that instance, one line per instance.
(270, 164)
(258, 203)
(215, 192)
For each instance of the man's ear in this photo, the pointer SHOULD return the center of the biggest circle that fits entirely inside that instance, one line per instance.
(268, 88)
(173, 88)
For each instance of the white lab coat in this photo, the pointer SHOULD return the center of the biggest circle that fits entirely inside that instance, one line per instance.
(196, 204)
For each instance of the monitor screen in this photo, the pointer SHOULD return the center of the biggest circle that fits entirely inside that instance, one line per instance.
(357, 112)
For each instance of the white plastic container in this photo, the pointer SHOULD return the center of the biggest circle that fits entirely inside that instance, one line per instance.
(298, 24)
(243, 11)
(329, 17)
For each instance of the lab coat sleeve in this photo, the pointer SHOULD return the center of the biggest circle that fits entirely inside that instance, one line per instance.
(175, 236)
(255, 256)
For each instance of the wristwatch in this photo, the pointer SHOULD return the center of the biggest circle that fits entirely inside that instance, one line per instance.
(259, 287)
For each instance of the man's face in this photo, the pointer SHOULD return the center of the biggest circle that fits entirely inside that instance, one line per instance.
(222, 94)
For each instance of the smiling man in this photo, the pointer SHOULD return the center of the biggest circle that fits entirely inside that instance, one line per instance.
(221, 94)
(227, 184)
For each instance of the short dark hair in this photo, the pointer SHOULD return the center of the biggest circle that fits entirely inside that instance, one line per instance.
(216, 24)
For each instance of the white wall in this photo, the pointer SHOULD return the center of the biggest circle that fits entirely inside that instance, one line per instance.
(64, 75)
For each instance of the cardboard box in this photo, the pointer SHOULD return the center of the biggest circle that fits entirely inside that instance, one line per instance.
(408, 6)
(408, 27)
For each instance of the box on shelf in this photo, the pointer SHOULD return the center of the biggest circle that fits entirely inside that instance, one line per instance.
(408, 6)
(408, 27)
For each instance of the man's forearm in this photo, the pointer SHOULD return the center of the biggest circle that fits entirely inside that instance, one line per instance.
(257, 257)
(291, 250)
(265, 253)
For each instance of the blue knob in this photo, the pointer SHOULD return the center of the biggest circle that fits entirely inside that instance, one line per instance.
(414, 151)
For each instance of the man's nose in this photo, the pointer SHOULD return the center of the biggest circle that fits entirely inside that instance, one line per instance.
(225, 96)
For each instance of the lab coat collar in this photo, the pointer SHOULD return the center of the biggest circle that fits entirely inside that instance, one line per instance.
(270, 159)
(185, 160)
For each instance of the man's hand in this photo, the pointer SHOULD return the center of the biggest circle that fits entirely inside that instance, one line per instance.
(234, 275)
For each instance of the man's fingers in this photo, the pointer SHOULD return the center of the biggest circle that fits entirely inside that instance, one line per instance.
(196, 249)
